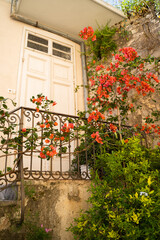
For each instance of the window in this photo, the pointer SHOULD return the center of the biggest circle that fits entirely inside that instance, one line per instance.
(48, 46)
(37, 43)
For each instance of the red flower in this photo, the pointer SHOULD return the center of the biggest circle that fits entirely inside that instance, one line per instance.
(42, 155)
(131, 105)
(97, 137)
(70, 125)
(54, 103)
(42, 125)
(87, 33)
(23, 129)
(94, 38)
(51, 136)
(66, 128)
(112, 127)
(99, 67)
(47, 141)
(48, 125)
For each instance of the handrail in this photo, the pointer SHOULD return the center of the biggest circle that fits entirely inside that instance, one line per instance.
(64, 115)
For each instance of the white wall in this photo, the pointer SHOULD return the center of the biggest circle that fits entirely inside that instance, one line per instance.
(11, 42)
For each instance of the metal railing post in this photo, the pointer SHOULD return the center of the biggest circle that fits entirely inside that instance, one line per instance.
(20, 166)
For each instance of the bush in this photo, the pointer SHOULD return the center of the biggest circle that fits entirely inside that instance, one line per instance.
(139, 7)
(104, 44)
(125, 203)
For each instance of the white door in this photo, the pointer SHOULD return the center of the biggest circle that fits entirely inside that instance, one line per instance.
(52, 76)
(35, 76)
(62, 86)
(48, 75)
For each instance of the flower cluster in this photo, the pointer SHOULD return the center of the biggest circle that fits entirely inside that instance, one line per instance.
(66, 128)
(95, 115)
(128, 54)
(47, 124)
(149, 128)
(46, 229)
(48, 152)
(42, 101)
(111, 86)
(112, 127)
(87, 33)
(97, 137)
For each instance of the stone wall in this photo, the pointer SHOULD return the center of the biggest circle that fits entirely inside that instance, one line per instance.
(52, 203)
(144, 36)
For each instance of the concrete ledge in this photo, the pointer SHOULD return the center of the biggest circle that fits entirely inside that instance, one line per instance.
(6, 203)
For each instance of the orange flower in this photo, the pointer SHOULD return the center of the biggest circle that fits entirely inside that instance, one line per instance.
(54, 103)
(51, 136)
(42, 148)
(42, 125)
(42, 155)
(47, 141)
(126, 141)
(62, 138)
(56, 139)
(55, 124)
(112, 127)
(131, 105)
(94, 38)
(97, 137)
(70, 125)
(52, 147)
(23, 129)
(48, 153)
(37, 109)
(48, 125)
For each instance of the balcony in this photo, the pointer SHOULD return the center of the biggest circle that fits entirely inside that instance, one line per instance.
(25, 137)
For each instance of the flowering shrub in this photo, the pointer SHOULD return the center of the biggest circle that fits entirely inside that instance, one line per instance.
(113, 91)
(124, 204)
(100, 42)
(87, 33)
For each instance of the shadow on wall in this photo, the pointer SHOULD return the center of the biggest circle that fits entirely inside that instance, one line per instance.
(10, 193)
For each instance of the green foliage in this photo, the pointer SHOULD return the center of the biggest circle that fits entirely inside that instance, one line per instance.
(35, 232)
(104, 43)
(138, 7)
(125, 203)
(29, 190)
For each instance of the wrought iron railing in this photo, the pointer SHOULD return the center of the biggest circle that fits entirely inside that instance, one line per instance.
(71, 162)
(75, 156)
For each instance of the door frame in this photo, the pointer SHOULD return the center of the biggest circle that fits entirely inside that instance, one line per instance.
(48, 35)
